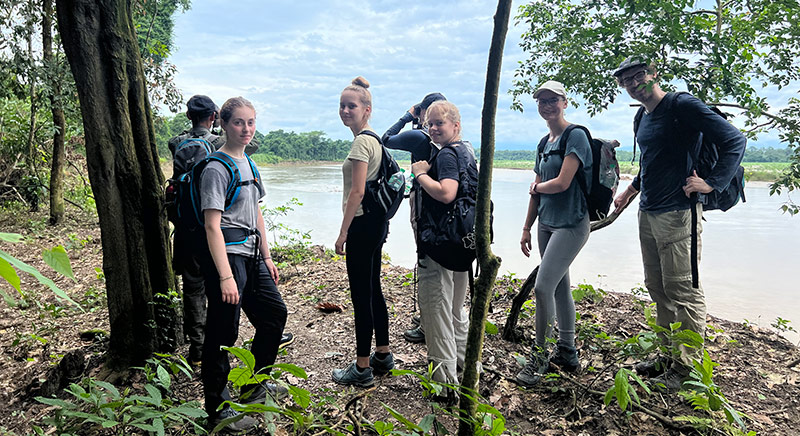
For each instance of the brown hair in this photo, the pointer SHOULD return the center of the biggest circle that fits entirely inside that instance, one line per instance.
(360, 85)
(231, 105)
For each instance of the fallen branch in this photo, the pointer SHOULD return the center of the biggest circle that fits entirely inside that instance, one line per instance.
(793, 363)
(525, 290)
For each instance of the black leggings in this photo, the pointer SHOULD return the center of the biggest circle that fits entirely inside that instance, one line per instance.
(365, 239)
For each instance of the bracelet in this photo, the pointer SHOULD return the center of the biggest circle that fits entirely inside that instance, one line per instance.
(268, 258)
(420, 174)
(222, 279)
(526, 229)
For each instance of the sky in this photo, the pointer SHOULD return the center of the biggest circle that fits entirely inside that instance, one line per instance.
(293, 58)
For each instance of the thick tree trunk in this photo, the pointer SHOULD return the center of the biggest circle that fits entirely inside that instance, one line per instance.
(100, 43)
(59, 122)
(489, 263)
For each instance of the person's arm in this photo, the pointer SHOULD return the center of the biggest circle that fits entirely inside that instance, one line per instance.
(564, 179)
(398, 126)
(216, 244)
(264, 247)
(443, 191)
(530, 218)
(729, 140)
(353, 201)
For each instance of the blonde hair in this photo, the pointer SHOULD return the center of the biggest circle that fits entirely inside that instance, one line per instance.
(231, 105)
(448, 110)
(360, 86)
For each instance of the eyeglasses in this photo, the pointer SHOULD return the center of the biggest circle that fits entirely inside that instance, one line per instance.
(631, 80)
(549, 101)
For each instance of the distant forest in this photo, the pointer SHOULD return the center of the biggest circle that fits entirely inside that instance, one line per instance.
(278, 146)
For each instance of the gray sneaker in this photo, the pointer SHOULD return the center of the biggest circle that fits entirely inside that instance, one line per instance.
(353, 377)
(258, 393)
(242, 425)
(381, 366)
(537, 366)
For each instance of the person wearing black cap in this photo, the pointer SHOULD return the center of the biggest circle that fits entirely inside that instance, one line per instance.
(203, 113)
(419, 144)
(669, 133)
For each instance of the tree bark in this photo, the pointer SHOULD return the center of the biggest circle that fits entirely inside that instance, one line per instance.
(59, 121)
(488, 262)
(100, 43)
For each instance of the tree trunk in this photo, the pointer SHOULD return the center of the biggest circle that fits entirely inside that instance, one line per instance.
(100, 43)
(59, 122)
(488, 262)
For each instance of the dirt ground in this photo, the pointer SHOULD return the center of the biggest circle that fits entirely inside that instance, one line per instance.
(753, 371)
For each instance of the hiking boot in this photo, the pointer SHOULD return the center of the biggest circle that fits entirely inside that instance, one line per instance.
(537, 366)
(671, 381)
(381, 366)
(416, 320)
(353, 377)
(566, 357)
(654, 367)
(415, 335)
(258, 393)
(241, 426)
(447, 398)
(286, 340)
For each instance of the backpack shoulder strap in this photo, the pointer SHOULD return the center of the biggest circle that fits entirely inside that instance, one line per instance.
(232, 192)
(373, 134)
(256, 176)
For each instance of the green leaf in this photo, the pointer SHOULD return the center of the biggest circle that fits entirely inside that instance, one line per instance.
(240, 376)
(163, 377)
(244, 355)
(10, 274)
(291, 369)
(111, 389)
(402, 419)
(300, 396)
(10, 237)
(154, 394)
(490, 328)
(57, 259)
(188, 410)
(22, 266)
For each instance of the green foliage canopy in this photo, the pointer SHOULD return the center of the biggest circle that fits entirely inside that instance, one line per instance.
(731, 54)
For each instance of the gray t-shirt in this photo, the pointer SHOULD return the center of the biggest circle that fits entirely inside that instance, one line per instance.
(565, 209)
(244, 211)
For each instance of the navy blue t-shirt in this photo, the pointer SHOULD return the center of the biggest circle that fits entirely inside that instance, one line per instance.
(666, 138)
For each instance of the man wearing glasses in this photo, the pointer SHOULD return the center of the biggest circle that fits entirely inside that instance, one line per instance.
(669, 133)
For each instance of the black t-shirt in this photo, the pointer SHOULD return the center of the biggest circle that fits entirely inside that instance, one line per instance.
(444, 166)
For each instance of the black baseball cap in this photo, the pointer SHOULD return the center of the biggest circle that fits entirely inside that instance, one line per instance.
(427, 101)
(201, 105)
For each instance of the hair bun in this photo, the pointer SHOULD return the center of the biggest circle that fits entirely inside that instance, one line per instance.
(360, 81)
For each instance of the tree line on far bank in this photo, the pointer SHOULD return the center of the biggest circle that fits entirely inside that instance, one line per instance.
(279, 146)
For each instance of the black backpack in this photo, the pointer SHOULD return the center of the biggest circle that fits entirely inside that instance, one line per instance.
(383, 195)
(186, 154)
(450, 239)
(605, 171)
(188, 210)
(704, 161)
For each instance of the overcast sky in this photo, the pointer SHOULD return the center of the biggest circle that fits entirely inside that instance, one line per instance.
(293, 58)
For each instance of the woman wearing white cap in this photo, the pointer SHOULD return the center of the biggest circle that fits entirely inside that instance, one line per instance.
(557, 200)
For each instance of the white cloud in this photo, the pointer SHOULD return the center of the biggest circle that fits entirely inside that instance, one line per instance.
(292, 59)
